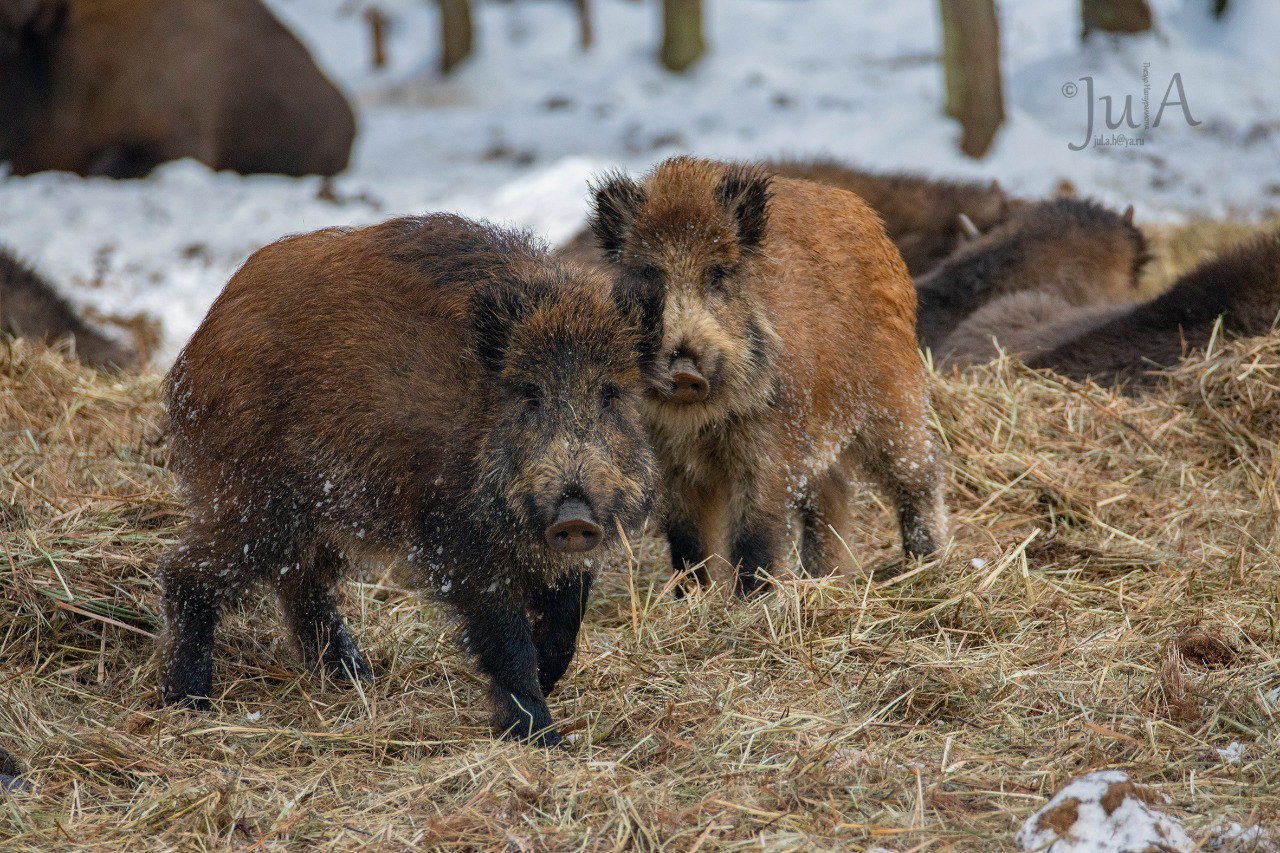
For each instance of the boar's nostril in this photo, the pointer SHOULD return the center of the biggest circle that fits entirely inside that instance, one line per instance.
(574, 530)
(688, 385)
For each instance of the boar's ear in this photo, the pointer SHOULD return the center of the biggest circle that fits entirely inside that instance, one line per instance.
(615, 200)
(743, 192)
(495, 311)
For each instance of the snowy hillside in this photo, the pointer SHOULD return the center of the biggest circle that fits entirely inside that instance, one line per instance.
(516, 133)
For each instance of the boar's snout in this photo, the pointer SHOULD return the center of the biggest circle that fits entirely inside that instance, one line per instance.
(688, 385)
(575, 530)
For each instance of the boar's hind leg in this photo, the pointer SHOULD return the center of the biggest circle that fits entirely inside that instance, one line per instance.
(900, 452)
(825, 517)
(499, 635)
(208, 567)
(557, 616)
(190, 606)
(309, 599)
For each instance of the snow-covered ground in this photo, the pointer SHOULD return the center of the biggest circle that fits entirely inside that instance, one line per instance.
(515, 134)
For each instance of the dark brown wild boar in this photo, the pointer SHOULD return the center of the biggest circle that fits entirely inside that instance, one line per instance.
(1240, 287)
(781, 354)
(116, 87)
(429, 393)
(1021, 324)
(31, 308)
(920, 214)
(1077, 250)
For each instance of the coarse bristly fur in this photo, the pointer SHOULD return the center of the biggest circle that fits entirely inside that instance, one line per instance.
(1241, 286)
(116, 87)
(921, 214)
(31, 308)
(794, 312)
(1075, 249)
(429, 393)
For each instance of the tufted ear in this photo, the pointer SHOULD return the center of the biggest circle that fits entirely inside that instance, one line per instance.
(495, 312)
(615, 200)
(743, 192)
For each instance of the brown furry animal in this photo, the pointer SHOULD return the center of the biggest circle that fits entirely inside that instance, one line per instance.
(31, 308)
(1241, 286)
(1021, 324)
(1077, 250)
(429, 393)
(781, 353)
(116, 87)
(921, 214)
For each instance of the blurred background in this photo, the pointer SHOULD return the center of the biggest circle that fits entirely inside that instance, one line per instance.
(504, 109)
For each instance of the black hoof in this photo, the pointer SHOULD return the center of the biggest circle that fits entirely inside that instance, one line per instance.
(186, 701)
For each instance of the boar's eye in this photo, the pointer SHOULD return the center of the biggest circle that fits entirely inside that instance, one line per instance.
(532, 396)
(609, 395)
(649, 275)
(716, 279)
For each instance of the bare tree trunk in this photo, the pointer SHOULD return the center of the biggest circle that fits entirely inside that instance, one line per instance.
(455, 33)
(1219, 7)
(1115, 16)
(377, 35)
(585, 36)
(971, 65)
(682, 43)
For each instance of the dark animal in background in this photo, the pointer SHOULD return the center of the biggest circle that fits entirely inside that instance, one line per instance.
(781, 353)
(1020, 324)
(921, 214)
(31, 308)
(1075, 249)
(1241, 286)
(429, 393)
(116, 87)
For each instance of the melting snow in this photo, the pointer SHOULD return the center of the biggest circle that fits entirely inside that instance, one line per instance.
(1102, 812)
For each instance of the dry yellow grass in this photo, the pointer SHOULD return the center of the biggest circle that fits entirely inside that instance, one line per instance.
(1113, 600)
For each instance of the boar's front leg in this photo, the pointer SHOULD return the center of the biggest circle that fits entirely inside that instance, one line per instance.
(557, 613)
(499, 635)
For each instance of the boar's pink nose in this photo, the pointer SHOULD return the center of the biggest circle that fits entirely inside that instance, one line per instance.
(687, 384)
(574, 530)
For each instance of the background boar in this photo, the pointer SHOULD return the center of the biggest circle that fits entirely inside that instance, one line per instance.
(921, 214)
(31, 308)
(116, 87)
(1241, 286)
(428, 393)
(1075, 249)
(781, 353)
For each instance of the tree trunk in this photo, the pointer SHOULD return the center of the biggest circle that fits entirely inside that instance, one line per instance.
(1115, 16)
(971, 65)
(585, 36)
(377, 21)
(682, 43)
(455, 33)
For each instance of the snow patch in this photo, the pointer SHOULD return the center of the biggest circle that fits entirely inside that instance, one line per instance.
(1102, 812)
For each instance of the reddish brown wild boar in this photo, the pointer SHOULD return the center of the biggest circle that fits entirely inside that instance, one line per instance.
(920, 214)
(116, 87)
(1077, 250)
(781, 354)
(429, 393)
